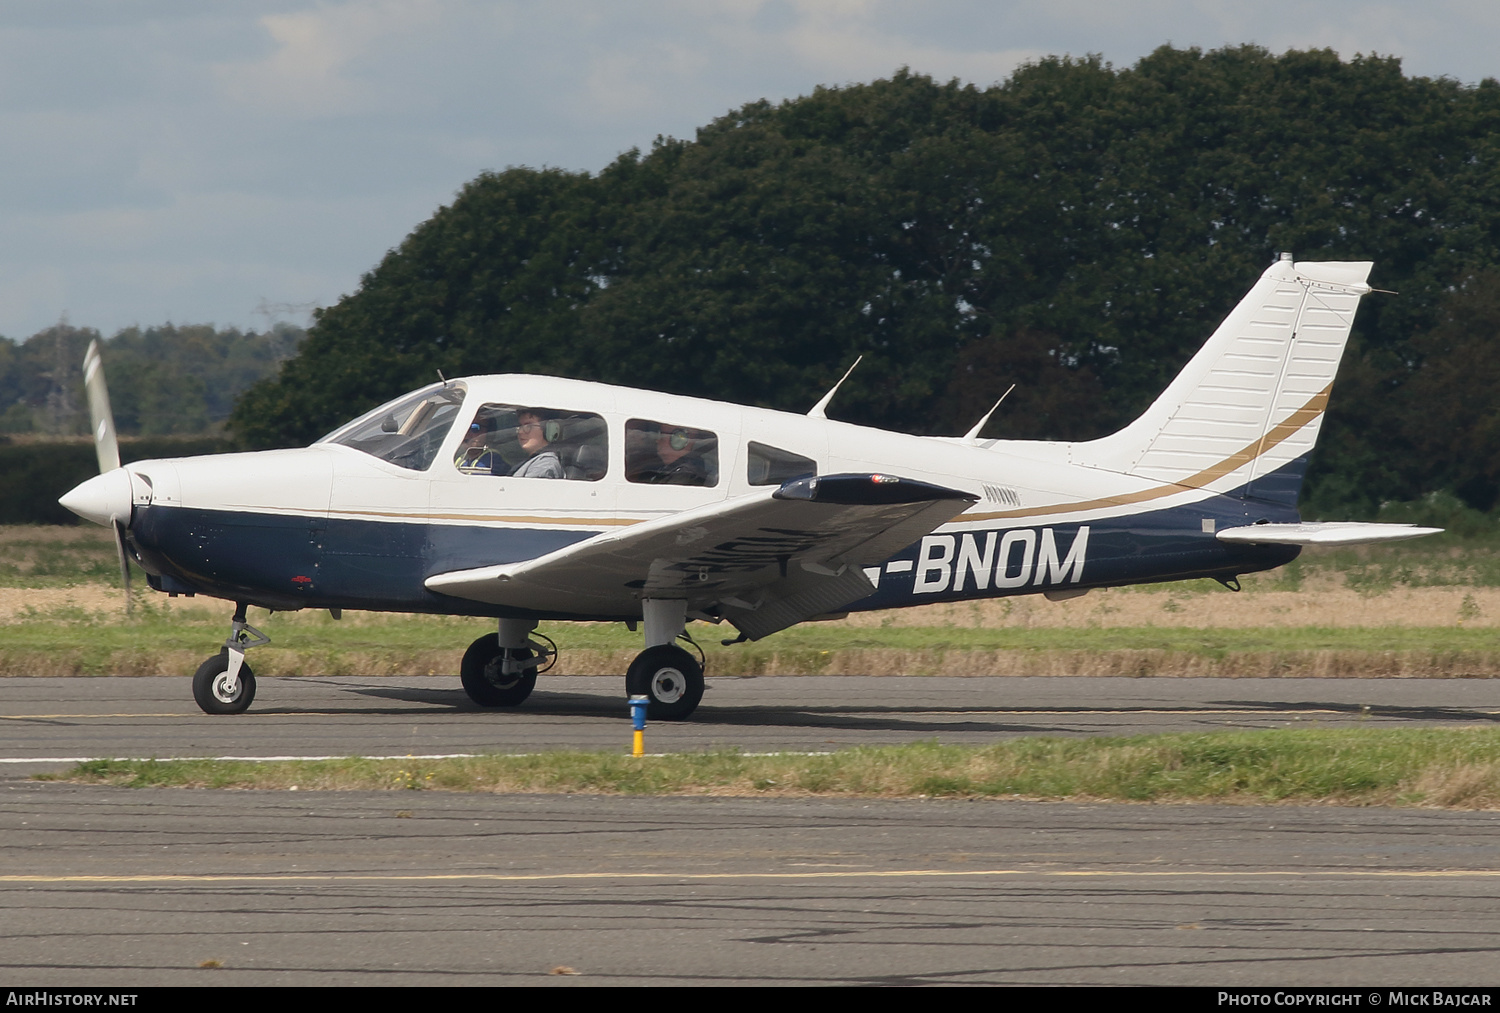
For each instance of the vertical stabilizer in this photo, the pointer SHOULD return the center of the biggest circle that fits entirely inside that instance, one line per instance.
(1246, 410)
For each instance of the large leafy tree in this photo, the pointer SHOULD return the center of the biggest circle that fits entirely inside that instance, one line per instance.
(1076, 229)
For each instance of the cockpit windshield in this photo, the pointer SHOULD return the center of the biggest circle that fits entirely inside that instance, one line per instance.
(406, 432)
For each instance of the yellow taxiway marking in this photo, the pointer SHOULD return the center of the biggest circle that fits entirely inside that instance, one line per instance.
(36, 717)
(545, 877)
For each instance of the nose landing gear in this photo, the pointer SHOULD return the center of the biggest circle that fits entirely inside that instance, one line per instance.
(224, 684)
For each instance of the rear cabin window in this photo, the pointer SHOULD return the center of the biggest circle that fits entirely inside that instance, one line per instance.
(661, 453)
(407, 432)
(524, 441)
(770, 466)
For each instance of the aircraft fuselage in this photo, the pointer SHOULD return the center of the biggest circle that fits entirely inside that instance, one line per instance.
(331, 526)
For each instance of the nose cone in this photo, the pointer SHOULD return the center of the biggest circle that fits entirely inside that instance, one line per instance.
(103, 498)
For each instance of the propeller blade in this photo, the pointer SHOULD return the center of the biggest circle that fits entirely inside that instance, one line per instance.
(103, 419)
(124, 564)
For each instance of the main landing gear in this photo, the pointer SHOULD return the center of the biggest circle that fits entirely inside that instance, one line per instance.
(500, 669)
(224, 684)
(671, 677)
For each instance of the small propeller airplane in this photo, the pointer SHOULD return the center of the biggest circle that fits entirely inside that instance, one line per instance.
(531, 498)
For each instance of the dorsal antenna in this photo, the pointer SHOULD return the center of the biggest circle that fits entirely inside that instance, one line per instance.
(817, 409)
(972, 436)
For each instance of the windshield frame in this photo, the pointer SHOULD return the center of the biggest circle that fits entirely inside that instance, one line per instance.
(414, 450)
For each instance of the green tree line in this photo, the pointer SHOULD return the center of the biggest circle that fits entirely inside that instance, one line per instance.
(1077, 229)
(163, 381)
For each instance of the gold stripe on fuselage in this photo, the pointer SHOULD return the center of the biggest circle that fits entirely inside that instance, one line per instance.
(1277, 434)
(574, 522)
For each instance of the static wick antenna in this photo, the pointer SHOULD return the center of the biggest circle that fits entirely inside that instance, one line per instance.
(972, 436)
(817, 409)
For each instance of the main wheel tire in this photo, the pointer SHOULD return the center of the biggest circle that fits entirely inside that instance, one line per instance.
(209, 691)
(483, 680)
(671, 677)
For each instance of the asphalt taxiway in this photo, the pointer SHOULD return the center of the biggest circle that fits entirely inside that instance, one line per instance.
(119, 887)
(45, 723)
(116, 887)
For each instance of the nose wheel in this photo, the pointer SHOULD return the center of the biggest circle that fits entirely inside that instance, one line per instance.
(224, 684)
(217, 692)
(670, 677)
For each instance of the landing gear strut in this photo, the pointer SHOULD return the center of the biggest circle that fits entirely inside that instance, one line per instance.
(500, 669)
(224, 684)
(671, 677)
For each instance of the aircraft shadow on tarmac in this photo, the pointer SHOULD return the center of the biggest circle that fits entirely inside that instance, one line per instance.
(854, 716)
(593, 705)
(870, 716)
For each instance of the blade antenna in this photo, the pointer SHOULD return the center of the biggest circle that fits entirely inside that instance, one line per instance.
(972, 436)
(817, 409)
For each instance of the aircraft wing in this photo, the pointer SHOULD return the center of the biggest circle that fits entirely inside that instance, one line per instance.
(1322, 533)
(764, 561)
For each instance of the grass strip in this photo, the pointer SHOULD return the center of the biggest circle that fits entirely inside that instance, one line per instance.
(1448, 768)
(65, 642)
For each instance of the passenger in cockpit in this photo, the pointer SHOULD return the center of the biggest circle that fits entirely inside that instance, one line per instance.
(678, 458)
(531, 431)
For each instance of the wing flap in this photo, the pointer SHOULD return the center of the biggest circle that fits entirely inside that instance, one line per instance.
(800, 596)
(1322, 533)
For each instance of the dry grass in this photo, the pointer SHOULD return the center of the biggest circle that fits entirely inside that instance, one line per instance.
(59, 616)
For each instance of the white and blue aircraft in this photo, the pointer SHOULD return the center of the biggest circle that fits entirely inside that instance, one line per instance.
(530, 498)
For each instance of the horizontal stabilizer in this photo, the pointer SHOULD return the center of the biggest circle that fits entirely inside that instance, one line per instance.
(1322, 533)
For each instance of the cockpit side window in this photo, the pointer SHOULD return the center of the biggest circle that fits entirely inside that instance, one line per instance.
(406, 432)
(771, 466)
(524, 441)
(661, 453)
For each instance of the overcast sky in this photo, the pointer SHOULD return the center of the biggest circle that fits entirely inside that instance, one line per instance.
(236, 163)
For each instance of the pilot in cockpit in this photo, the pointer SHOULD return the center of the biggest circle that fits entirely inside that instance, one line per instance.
(475, 455)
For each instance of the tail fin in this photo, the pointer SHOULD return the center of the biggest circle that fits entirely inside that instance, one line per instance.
(1245, 412)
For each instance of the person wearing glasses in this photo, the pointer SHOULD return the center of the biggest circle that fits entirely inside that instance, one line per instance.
(531, 431)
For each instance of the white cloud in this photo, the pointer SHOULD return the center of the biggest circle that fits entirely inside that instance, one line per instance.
(850, 40)
(306, 73)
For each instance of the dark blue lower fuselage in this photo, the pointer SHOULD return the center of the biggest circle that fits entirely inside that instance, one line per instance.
(284, 562)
